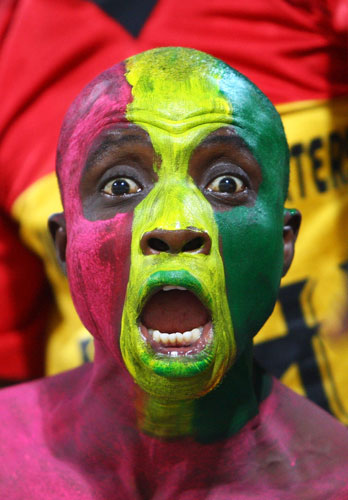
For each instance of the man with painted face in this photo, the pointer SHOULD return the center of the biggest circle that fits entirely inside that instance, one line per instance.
(173, 170)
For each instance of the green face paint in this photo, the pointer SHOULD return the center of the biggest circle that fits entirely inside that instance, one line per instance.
(180, 97)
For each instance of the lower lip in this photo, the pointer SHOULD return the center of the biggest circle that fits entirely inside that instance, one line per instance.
(182, 351)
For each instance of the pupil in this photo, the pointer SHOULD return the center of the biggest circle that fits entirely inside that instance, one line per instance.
(227, 185)
(120, 187)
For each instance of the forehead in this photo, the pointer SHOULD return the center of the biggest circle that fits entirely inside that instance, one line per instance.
(176, 93)
(180, 92)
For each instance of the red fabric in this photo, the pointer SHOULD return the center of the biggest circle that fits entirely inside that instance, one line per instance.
(292, 49)
(48, 54)
(24, 309)
(289, 48)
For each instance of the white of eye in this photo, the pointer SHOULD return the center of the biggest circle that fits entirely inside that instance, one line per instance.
(226, 184)
(121, 186)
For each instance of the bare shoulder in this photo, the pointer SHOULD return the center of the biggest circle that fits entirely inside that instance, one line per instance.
(25, 407)
(309, 422)
(20, 410)
(25, 452)
(306, 449)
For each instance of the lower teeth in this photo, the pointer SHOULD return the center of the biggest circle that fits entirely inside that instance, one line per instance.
(176, 339)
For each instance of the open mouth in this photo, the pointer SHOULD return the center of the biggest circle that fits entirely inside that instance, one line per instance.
(175, 322)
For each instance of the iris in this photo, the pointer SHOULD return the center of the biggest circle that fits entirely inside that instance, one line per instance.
(120, 186)
(227, 185)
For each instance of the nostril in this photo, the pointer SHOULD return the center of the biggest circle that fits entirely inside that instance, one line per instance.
(175, 241)
(157, 244)
(192, 245)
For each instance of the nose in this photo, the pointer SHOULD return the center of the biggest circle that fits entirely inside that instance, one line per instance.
(175, 241)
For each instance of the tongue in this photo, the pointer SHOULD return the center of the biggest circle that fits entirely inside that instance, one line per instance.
(174, 311)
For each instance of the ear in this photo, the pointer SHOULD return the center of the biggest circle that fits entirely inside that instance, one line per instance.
(57, 228)
(292, 222)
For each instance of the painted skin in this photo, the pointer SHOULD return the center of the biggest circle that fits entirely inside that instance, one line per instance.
(171, 137)
(209, 131)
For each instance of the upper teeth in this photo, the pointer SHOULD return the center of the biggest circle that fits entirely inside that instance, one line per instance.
(178, 338)
(170, 287)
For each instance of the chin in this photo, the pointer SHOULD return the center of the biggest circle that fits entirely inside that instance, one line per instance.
(175, 343)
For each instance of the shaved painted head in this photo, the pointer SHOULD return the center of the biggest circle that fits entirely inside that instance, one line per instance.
(173, 169)
(209, 90)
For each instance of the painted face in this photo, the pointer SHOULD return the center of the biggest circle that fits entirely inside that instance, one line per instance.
(174, 168)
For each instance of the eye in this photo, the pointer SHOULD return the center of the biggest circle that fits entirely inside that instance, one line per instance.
(226, 184)
(120, 186)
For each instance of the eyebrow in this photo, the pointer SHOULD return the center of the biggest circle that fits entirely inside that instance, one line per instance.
(224, 139)
(109, 142)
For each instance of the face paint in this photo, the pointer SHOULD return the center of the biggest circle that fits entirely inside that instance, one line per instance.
(98, 272)
(252, 236)
(178, 113)
(175, 130)
(180, 98)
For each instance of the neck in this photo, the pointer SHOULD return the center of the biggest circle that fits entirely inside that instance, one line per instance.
(104, 412)
(221, 413)
(226, 409)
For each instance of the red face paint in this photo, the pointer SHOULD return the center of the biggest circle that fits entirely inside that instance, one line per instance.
(98, 255)
(98, 252)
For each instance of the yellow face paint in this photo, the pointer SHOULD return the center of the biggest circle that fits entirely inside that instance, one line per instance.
(178, 113)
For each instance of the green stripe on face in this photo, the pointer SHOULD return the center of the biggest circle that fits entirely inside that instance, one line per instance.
(252, 236)
(253, 259)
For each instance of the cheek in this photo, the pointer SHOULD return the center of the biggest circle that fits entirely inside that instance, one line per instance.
(98, 263)
(252, 249)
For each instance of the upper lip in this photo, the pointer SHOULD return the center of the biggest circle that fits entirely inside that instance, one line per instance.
(158, 280)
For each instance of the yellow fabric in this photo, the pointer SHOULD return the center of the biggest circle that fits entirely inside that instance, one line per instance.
(315, 127)
(322, 245)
